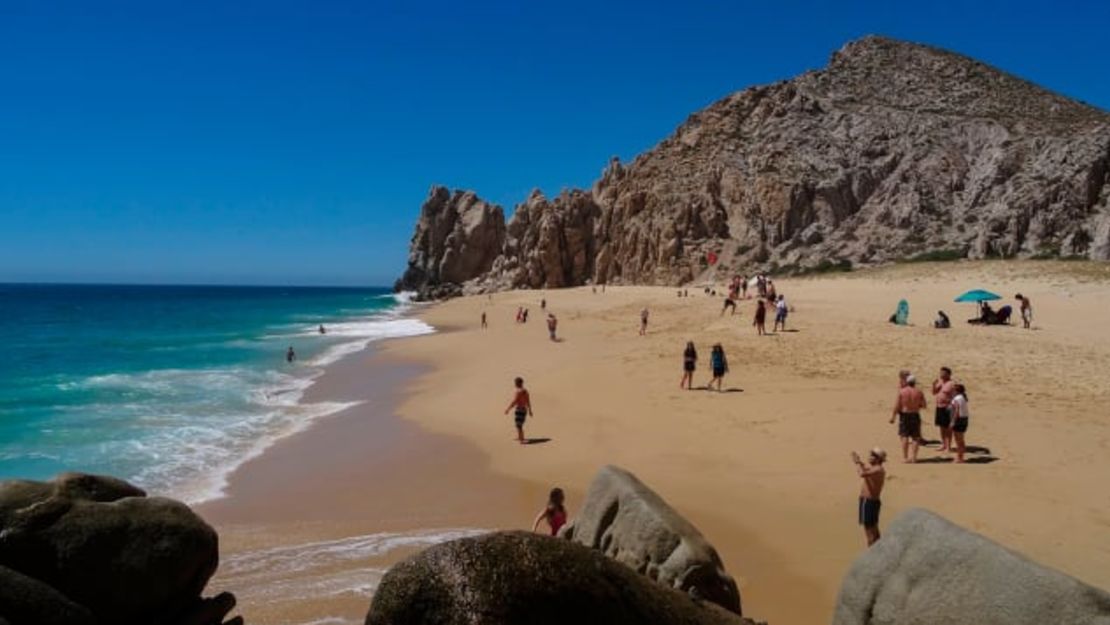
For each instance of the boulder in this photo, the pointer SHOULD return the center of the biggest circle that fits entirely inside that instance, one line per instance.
(630, 523)
(927, 570)
(27, 601)
(102, 544)
(518, 578)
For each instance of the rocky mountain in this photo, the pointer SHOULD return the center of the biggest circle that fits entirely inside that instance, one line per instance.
(893, 150)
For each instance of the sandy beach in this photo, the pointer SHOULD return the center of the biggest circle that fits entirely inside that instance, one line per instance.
(762, 470)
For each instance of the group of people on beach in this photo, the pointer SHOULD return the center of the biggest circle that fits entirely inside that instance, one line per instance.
(718, 364)
(951, 417)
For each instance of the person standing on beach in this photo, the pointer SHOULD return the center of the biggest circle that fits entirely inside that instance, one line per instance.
(1026, 310)
(519, 313)
(552, 323)
(689, 364)
(729, 303)
(907, 409)
(780, 314)
(484, 325)
(874, 477)
(760, 321)
(554, 512)
(943, 390)
(543, 304)
(524, 317)
(643, 321)
(960, 416)
(290, 355)
(521, 405)
(719, 364)
(744, 287)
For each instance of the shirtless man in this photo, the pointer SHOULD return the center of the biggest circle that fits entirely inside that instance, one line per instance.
(907, 409)
(874, 476)
(522, 404)
(1026, 310)
(944, 389)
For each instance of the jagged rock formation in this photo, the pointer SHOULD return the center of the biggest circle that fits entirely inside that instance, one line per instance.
(893, 150)
(88, 550)
(928, 570)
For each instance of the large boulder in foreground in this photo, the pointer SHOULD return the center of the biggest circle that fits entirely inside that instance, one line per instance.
(26, 600)
(630, 523)
(926, 570)
(517, 578)
(103, 545)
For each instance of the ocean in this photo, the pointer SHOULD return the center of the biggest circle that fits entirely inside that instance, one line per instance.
(170, 387)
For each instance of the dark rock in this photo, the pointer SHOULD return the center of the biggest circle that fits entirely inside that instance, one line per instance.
(98, 541)
(927, 570)
(630, 523)
(27, 601)
(517, 578)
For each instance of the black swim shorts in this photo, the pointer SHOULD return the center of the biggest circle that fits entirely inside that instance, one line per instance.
(869, 512)
(689, 365)
(718, 372)
(943, 418)
(909, 425)
(519, 416)
(960, 425)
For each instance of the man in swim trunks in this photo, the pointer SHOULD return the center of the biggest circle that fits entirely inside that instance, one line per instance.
(907, 409)
(944, 389)
(874, 476)
(521, 405)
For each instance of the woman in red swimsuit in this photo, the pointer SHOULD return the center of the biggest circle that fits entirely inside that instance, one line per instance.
(554, 513)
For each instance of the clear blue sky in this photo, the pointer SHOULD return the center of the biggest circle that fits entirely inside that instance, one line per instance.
(293, 143)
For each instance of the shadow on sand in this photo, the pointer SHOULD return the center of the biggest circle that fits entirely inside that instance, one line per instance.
(536, 441)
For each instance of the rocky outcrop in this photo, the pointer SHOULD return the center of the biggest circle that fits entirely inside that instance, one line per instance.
(96, 549)
(927, 570)
(893, 150)
(517, 578)
(630, 523)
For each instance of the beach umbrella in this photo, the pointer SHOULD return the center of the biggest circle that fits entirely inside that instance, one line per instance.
(978, 295)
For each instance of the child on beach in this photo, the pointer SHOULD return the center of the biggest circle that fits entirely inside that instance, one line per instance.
(552, 323)
(521, 405)
(1026, 310)
(960, 415)
(689, 364)
(719, 364)
(643, 321)
(760, 322)
(780, 314)
(554, 512)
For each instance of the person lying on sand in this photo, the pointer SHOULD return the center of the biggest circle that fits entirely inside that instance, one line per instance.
(554, 512)
(870, 491)
(521, 405)
(907, 409)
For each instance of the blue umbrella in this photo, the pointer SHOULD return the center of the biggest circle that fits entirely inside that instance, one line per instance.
(978, 295)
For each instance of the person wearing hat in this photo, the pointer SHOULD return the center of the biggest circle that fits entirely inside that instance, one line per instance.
(874, 476)
(907, 409)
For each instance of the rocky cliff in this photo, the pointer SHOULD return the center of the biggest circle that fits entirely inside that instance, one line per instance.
(893, 150)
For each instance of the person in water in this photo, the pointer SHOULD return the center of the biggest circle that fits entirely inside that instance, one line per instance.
(907, 409)
(290, 355)
(719, 364)
(521, 405)
(689, 364)
(322, 329)
(553, 513)
(874, 476)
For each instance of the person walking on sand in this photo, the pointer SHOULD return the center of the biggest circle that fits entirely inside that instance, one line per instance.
(960, 416)
(484, 325)
(689, 364)
(543, 304)
(943, 390)
(519, 313)
(552, 323)
(760, 321)
(524, 317)
(521, 405)
(643, 322)
(907, 409)
(719, 364)
(553, 513)
(780, 314)
(870, 492)
(1026, 310)
(729, 303)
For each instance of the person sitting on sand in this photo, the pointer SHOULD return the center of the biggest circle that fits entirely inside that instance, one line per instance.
(554, 512)
(551, 325)
(760, 321)
(874, 477)
(729, 303)
(521, 405)
(960, 416)
(907, 409)
(780, 314)
(643, 321)
(942, 322)
(689, 364)
(290, 355)
(1026, 310)
(719, 364)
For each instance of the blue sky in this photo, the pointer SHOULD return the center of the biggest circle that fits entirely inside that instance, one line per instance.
(293, 142)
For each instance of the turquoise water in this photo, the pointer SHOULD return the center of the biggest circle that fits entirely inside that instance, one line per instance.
(171, 387)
